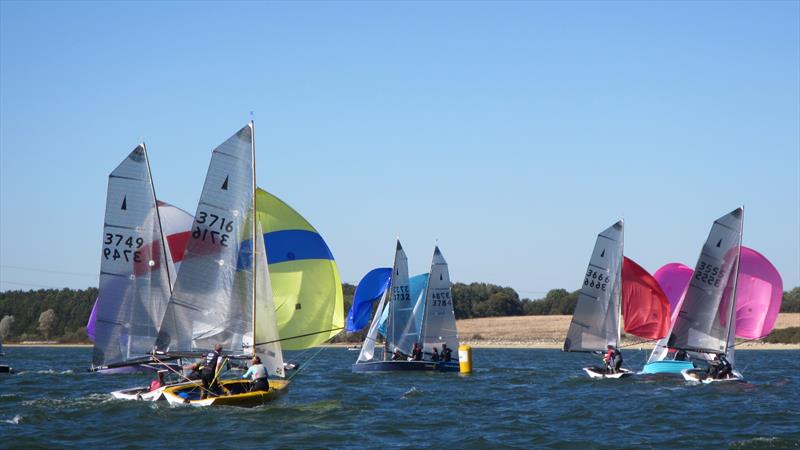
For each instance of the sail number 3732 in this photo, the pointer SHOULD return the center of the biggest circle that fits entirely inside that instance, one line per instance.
(212, 228)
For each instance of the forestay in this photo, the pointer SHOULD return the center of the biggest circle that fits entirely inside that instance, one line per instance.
(704, 321)
(134, 269)
(595, 322)
(213, 296)
(439, 322)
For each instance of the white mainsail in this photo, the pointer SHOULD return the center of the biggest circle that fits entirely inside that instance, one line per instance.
(439, 320)
(705, 322)
(267, 341)
(213, 298)
(401, 333)
(136, 266)
(595, 322)
(367, 352)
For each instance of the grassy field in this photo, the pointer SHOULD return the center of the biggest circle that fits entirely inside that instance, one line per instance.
(550, 331)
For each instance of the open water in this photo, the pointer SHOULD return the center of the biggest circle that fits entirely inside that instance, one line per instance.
(513, 399)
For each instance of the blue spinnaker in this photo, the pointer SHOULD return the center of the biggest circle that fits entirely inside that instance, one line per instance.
(418, 286)
(369, 289)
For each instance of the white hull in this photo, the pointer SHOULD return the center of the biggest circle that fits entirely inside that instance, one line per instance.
(699, 377)
(594, 372)
(143, 393)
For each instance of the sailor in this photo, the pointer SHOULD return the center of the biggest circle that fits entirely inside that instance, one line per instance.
(613, 359)
(258, 376)
(194, 371)
(435, 355)
(397, 356)
(725, 368)
(416, 353)
(158, 381)
(447, 354)
(719, 368)
(208, 374)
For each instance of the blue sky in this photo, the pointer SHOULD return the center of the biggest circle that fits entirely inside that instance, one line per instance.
(512, 132)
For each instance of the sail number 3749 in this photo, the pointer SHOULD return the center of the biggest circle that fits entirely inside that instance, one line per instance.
(124, 247)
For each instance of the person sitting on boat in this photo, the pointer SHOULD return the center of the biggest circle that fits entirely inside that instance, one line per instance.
(725, 368)
(681, 355)
(613, 359)
(416, 353)
(435, 355)
(193, 371)
(713, 367)
(258, 376)
(446, 353)
(397, 356)
(208, 375)
(158, 381)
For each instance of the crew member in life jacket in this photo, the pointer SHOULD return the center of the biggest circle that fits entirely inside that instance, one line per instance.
(416, 353)
(258, 376)
(208, 375)
(446, 353)
(613, 359)
(435, 355)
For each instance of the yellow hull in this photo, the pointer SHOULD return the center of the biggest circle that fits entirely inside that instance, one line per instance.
(189, 394)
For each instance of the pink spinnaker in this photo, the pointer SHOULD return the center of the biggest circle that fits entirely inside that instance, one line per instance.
(759, 292)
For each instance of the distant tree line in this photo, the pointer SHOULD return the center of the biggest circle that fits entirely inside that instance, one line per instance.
(61, 314)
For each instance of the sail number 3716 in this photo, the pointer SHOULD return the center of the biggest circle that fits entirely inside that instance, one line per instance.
(213, 228)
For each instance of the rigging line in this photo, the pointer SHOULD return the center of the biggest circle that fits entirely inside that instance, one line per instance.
(638, 343)
(321, 348)
(200, 385)
(31, 269)
(298, 336)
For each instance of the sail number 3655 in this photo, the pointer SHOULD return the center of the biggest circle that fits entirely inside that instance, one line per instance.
(215, 228)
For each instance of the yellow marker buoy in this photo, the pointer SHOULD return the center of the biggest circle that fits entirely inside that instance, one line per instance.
(465, 358)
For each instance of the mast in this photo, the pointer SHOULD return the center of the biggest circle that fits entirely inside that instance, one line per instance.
(164, 242)
(619, 286)
(254, 232)
(732, 312)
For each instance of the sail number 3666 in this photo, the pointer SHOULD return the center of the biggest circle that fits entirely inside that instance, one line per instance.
(595, 279)
(214, 228)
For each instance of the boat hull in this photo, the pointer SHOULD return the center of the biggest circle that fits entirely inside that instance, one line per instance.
(144, 393)
(6, 369)
(406, 366)
(189, 394)
(667, 367)
(600, 373)
(699, 376)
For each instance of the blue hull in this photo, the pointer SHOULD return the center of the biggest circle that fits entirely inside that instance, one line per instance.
(667, 367)
(405, 366)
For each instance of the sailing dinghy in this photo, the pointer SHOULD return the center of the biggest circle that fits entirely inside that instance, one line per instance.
(706, 323)
(136, 270)
(613, 285)
(759, 292)
(423, 315)
(223, 293)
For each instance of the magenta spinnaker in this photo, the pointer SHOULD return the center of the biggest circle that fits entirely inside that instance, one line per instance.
(759, 292)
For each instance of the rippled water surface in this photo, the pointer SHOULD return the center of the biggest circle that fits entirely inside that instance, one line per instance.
(513, 399)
